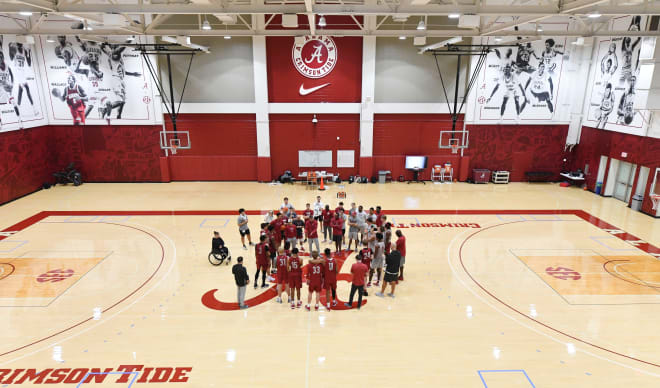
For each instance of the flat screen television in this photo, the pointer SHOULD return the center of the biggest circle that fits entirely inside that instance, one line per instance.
(416, 162)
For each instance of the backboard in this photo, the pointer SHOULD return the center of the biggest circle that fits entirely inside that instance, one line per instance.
(173, 141)
(453, 139)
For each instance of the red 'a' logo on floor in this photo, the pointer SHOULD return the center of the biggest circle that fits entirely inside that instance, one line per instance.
(209, 298)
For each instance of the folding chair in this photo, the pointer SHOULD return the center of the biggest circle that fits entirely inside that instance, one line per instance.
(436, 173)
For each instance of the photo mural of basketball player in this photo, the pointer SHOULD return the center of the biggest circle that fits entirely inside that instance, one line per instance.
(107, 79)
(527, 73)
(615, 78)
(19, 92)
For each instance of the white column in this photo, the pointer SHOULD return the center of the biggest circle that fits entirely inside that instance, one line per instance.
(261, 95)
(368, 90)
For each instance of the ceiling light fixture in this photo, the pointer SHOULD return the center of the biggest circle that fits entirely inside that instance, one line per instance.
(402, 37)
(50, 39)
(227, 36)
(130, 39)
(25, 13)
(593, 15)
(454, 15)
(498, 40)
(421, 25)
(539, 29)
(206, 25)
(322, 22)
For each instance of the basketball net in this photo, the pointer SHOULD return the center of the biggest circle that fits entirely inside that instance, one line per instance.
(454, 148)
(656, 200)
(174, 147)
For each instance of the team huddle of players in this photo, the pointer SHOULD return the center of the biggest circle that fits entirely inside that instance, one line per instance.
(539, 77)
(608, 66)
(277, 251)
(15, 76)
(93, 61)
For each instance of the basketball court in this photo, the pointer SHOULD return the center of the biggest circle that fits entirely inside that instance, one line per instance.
(523, 295)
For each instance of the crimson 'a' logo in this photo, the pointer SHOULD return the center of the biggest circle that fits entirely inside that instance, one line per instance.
(315, 56)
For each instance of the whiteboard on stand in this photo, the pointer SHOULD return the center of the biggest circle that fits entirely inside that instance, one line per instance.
(315, 159)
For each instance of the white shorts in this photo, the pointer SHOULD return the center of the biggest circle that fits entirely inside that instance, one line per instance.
(377, 263)
(19, 76)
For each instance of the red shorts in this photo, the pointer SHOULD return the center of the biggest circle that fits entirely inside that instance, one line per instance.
(315, 287)
(367, 263)
(263, 265)
(282, 277)
(78, 114)
(330, 284)
(295, 280)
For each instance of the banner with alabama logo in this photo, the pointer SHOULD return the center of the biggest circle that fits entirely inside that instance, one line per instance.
(314, 69)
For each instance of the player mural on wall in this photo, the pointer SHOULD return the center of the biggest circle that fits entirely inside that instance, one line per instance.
(110, 75)
(6, 85)
(75, 97)
(615, 78)
(530, 72)
(21, 58)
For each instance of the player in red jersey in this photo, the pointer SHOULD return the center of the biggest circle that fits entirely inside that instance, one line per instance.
(75, 98)
(308, 212)
(379, 216)
(282, 274)
(366, 254)
(336, 223)
(295, 277)
(314, 279)
(330, 278)
(261, 254)
(274, 245)
(290, 233)
(327, 216)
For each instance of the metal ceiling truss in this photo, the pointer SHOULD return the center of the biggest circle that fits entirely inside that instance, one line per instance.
(379, 18)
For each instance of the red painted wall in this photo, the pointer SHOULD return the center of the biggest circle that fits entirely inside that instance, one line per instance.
(643, 151)
(224, 147)
(284, 80)
(515, 148)
(25, 163)
(290, 133)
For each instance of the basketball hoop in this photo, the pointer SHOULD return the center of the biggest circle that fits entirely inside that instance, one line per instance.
(656, 200)
(173, 149)
(454, 148)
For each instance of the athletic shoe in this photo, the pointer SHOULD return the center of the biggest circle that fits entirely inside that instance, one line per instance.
(369, 284)
(265, 285)
(299, 304)
(278, 300)
(244, 307)
(328, 306)
(251, 244)
(244, 247)
(390, 295)
(365, 293)
(293, 306)
(334, 303)
(380, 294)
(271, 279)
(347, 305)
(255, 286)
(307, 308)
(377, 284)
(316, 307)
(401, 278)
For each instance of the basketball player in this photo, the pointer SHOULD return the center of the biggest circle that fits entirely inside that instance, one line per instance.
(282, 275)
(366, 255)
(359, 271)
(243, 229)
(388, 237)
(610, 62)
(627, 55)
(21, 58)
(290, 233)
(6, 86)
(295, 278)
(314, 279)
(353, 229)
(330, 278)
(548, 55)
(300, 225)
(318, 210)
(523, 56)
(362, 221)
(75, 98)
(542, 87)
(635, 23)
(504, 62)
(64, 50)
(286, 204)
(119, 89)
(308, 212)
(511, 86)
(401, 247)
(261, 253)
(312, 233)
(625, 111)
(379, 216)
(379, 259)
(336, 223)
(94, 79)
(606, 107)
(391, 272)
(327, 215)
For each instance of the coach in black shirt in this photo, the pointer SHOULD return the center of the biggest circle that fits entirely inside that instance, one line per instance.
(392, 262)
(242, 280)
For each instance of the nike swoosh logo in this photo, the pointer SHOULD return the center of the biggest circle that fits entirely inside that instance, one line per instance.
(304, 92)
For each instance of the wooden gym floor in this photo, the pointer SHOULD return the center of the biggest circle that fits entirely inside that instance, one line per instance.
(518, 285)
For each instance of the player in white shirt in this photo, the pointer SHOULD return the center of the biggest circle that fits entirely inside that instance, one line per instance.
(65, 51)
(610, 62)
(606, 107)
(625, 111)
(512, 88)
(6, 86)
(21, 58)
(548, 55)
(627, 50)
(542, 87)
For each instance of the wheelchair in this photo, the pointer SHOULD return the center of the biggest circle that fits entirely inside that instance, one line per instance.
(220, 256)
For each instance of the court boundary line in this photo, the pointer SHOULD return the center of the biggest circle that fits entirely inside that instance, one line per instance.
(130, 384)
(503, 371)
